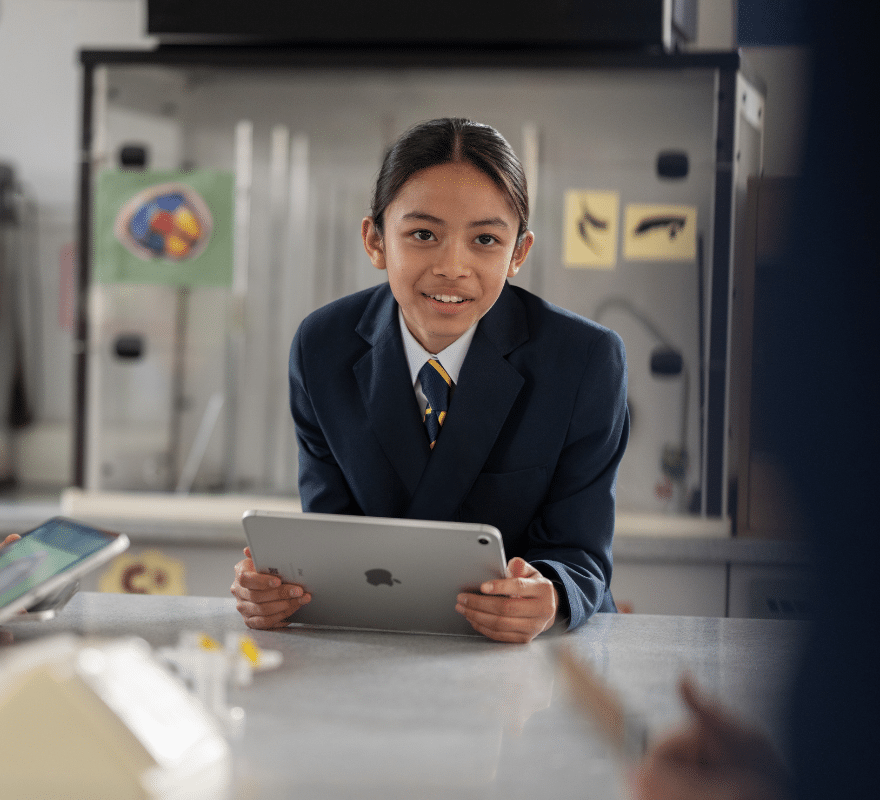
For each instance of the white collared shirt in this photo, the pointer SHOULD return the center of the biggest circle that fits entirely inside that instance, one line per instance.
(451, 357)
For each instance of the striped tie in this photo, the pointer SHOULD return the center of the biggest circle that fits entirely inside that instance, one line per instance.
(435, 384)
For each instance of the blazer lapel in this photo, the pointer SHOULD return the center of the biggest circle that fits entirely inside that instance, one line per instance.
(384, 381)
(487, 388)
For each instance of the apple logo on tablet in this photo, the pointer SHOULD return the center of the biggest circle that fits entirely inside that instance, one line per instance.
(375, 577)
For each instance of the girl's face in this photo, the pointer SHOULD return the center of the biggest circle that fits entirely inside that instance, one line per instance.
(449, 245)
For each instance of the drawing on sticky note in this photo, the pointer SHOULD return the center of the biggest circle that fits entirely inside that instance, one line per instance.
(590, 229)
(588, 221)
(150, 572)
(654, 232)
(672, 224)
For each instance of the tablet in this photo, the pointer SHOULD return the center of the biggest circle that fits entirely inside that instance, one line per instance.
(46, 562)
(377, 573)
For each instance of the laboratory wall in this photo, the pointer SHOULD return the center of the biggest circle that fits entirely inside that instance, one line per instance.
(40, 98)
(305, 146)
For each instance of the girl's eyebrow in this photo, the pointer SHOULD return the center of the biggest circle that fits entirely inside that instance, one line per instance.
(423, 217)
(496, 221)
(480, 223)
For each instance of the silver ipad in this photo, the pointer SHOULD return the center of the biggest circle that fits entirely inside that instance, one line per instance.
(377, 573)
(43, 566)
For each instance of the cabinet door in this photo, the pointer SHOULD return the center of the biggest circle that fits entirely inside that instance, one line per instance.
(769, 592)
(690, 590)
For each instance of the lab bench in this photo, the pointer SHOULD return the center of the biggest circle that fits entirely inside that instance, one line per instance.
(378, 715)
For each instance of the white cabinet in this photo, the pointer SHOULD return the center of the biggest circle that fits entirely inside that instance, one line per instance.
(690, 590)
(761, 591)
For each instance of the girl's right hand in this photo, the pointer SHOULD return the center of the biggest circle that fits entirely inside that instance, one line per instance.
(263, 600)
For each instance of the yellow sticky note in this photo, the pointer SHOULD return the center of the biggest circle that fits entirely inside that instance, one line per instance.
(655, 232)
(149, 572)
(590, 229)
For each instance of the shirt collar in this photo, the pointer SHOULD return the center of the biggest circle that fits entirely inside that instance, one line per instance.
(451, 357)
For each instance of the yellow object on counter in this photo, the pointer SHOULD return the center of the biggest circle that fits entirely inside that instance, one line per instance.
(148, 572)
(250, 650)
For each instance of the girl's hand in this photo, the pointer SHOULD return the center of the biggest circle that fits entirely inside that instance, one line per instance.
(513, 609)
(263, 600)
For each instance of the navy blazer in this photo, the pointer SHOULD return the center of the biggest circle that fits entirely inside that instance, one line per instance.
(531, 444)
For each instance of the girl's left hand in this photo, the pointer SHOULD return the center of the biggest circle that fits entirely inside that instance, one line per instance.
(513, 609)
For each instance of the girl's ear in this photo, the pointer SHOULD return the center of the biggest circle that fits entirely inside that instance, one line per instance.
(373, 243)
(520, 252)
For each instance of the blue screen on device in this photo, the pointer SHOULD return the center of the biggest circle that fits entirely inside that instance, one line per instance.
(50, 549)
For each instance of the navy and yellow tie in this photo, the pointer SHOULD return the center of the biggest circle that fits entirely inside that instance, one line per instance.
(436, 384)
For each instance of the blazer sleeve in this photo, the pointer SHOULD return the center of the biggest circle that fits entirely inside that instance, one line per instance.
(322, 484)
(570, 537)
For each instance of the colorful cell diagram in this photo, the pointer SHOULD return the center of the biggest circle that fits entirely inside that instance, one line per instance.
(167, 222)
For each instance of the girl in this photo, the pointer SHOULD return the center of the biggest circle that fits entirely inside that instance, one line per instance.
(525, 426)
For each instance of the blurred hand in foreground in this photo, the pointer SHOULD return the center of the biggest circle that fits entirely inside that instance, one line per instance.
(715, 757)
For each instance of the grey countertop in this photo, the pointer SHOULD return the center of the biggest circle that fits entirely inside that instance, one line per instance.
(373, 715)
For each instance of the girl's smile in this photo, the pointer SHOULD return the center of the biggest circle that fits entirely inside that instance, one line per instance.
(449, 244)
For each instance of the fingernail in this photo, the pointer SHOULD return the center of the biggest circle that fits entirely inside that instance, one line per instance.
(462, 599)
(487, 588)
(294, 592)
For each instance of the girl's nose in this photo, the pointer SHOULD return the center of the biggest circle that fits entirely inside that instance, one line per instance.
(452, 263)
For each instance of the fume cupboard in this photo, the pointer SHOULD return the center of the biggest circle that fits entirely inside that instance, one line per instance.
(185, 386)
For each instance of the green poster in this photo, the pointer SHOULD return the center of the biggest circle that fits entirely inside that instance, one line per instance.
(164, 227)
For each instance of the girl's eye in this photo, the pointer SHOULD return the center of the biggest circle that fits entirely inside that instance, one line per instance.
(423, 236)
(485, 238)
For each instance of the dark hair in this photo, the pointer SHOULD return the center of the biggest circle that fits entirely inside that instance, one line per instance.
(447, 140)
